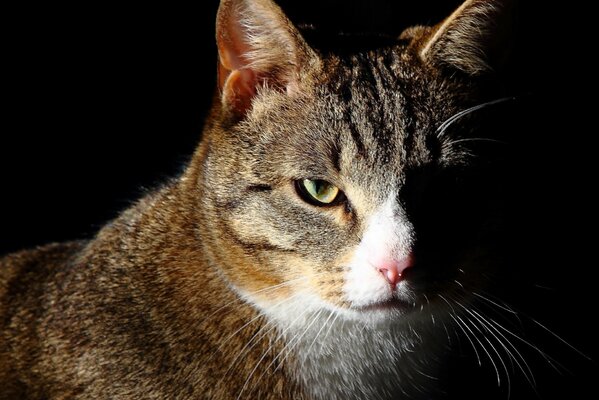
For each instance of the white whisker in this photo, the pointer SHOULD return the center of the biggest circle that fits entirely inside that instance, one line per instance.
(245, 384)
(505, 308)
(494, 348)
(561, 340)
(331, 326)
(473, 140)
(497, 305)
(254, 340)
(443, 127)
(476, 338)
(294, 342)
(319, 331)
(547, 358)
(468, 337)
(263, 290)
(451, 314)
(528, 373)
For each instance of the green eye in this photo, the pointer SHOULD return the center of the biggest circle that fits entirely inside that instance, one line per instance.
(318, 192)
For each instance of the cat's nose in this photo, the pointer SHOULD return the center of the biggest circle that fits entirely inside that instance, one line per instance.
(394, 270)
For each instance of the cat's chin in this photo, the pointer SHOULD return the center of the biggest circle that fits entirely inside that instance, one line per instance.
(382, 302)
(393, 305)
(381, 312)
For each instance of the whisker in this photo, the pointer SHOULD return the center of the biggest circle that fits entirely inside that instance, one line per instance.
(528, 374)
(426, 375)
(260, 315)
(254, 340)
(319, 331)
(414, 331)
(255, 337)
(485, 350)
(481, 319)
(447, 333)
(426, 297)
(428, 304)
(473, 140)
(451, 314)
(507, 374)
(561, 340)
(291, 346)
(499, 305)
(508, 309)
(443, 127)
(468, 337)
(263, 290)
(550, 360)
(287, 349)
(331, 326)
(252, 373)
(505, 308)
(245, 384)
(465, 325)
(543, 287)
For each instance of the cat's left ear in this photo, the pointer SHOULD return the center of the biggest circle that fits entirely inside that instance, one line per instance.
(257, 47)
(475, 39)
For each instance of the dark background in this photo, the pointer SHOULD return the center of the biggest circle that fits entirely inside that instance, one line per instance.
(103, 101)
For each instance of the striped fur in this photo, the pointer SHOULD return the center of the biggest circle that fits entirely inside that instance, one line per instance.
(224, 283)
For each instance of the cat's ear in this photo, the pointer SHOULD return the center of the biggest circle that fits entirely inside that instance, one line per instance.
(257, 47)
(474, 39)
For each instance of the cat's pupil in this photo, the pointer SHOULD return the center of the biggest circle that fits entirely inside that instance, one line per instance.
(320, 188)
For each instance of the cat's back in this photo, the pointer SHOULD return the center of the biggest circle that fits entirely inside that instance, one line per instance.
(24, 277)
(25, 271)
(29, 269)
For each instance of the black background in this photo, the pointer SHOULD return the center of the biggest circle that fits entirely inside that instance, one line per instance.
(102, 101)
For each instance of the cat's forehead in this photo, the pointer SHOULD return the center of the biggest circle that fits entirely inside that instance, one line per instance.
(369, 116)
(386, 108)
(391, 88)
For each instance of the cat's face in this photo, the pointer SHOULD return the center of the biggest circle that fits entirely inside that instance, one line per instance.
(337, 187)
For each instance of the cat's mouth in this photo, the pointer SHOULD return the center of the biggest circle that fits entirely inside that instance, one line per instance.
(392, 305)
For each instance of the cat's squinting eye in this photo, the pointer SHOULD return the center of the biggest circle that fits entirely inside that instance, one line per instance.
(318, 192)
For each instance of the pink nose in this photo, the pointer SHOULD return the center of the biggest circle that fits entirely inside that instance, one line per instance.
(393, 271)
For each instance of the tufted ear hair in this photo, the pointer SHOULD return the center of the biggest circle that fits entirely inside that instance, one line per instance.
(258, 47)
(474, 39)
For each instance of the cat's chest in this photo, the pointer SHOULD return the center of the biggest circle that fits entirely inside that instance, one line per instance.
(336, 358)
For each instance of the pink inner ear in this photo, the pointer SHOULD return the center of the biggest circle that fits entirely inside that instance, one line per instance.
(239, 89)
(236, 81)
(231, 45)
(257, 46)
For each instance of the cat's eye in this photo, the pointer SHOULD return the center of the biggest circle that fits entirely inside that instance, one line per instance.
(318, 192)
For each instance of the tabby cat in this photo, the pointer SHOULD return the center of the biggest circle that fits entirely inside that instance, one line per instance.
(317, 246)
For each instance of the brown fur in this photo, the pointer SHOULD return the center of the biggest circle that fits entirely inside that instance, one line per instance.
(151, 307)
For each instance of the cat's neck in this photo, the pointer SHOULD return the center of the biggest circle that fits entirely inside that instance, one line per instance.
(339, 357)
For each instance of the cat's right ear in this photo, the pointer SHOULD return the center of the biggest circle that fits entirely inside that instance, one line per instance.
(257, 47)
(475, 39)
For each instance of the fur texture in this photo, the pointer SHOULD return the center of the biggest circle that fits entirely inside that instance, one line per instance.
(225, 283)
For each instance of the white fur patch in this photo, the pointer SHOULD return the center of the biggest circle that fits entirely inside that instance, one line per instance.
(337, 356)
(388, 236)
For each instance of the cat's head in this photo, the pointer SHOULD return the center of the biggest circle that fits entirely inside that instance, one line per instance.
(342, 179)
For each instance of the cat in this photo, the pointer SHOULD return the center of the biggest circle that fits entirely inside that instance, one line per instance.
(317, 245)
